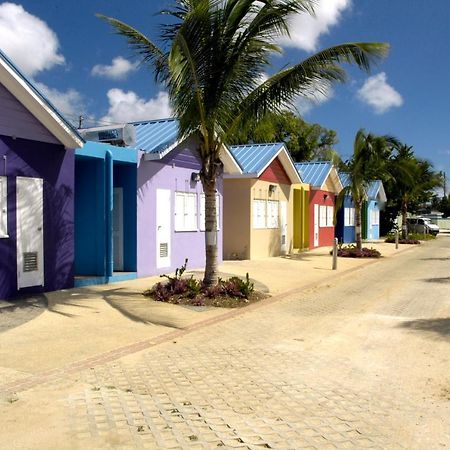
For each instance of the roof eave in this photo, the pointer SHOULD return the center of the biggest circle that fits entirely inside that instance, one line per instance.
(15, 83)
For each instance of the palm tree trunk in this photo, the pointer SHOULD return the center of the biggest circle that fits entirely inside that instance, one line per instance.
(209, 188)
(358, 221)
(404, 225)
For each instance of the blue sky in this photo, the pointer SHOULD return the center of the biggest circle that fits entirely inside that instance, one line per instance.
(85, 69)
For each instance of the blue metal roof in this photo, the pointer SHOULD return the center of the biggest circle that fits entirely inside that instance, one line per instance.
(372, 190)
(156, 136)
(45, 100)
(345, 178)
(314, 173)
(253, 158)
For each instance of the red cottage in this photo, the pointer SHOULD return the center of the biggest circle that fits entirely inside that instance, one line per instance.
(325, 184)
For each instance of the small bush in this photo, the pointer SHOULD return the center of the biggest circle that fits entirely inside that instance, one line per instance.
(410, 240)
(351, 251)
(245, 287)
(181, 290)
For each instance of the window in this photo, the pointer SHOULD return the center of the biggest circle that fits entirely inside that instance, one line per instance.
(3, 208)
(259, 213)
(272, 213)
(330, 216)
(202, 212)
(185, 211)
(322, 216)
(349, 217)
(375, 217)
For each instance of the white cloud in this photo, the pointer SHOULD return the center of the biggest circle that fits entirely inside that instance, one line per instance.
(69, 103)
(128, 106)
(306, 29)
(380, 95)
(28, 40)
(314, 98)
(117, 70)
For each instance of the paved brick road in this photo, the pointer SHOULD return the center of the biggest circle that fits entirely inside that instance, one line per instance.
(360, 364)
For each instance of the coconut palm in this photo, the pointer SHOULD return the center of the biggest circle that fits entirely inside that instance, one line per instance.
(368, 163)
(213, 60)
(413, 180)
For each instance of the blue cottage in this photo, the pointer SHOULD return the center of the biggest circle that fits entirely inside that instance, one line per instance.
(345, 217)
(105, 213)
(376, 199)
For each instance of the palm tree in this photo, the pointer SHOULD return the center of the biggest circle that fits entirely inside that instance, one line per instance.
(413, 180)
(213, 61)
(368, 163)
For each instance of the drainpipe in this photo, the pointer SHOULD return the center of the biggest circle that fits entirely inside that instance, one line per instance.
(109, 213)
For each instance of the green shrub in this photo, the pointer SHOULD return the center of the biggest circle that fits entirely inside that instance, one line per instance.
(352, 251)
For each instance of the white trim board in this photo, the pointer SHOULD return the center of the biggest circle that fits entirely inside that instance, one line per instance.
(20, 88)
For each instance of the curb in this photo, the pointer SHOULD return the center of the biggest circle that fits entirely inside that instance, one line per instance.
(112, 355)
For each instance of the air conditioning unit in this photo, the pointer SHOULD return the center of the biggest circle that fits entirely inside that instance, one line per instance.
(123, 135)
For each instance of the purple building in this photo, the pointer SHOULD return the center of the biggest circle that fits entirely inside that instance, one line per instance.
(170, 199)
(36, 189)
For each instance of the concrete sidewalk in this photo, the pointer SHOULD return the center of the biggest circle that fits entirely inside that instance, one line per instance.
(82, 323)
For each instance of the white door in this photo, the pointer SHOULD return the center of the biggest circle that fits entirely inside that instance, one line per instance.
(283, 226)
(316, 225)
(118, 229)
(163, 230)
(30, 232)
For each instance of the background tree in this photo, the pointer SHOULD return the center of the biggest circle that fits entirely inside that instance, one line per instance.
(304, 141)
(368, 163)
(410, 184)
(212, 58)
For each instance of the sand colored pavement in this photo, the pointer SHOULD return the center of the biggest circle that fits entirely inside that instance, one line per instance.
(82, 323)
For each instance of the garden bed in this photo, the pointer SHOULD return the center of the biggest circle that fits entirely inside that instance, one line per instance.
(233, 292)
(351, 251)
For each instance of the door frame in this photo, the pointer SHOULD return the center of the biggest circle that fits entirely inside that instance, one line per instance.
(316, 225)
(32, 277)
(118, 265)
(283, 227)
(163, 213)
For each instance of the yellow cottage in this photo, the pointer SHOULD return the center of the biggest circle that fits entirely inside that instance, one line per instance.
(265, 210)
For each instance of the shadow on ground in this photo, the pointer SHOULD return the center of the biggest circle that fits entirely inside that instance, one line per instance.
(442, 280)
(445, 258)
(436, 328)
(21, 310)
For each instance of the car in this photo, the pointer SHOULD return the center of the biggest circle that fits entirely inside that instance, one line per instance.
(421, 225)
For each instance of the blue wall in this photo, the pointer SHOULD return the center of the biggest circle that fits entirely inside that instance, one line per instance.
(90, 244)
(373, 231)
(93, 224)
(343, 233)
(125, 176)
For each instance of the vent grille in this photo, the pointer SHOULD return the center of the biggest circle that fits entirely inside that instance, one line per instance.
(30, 262)
(164, 250)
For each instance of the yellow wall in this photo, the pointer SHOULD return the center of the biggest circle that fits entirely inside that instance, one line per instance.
(267, 242)
(241, 240)
(236, 218)
(300, 206)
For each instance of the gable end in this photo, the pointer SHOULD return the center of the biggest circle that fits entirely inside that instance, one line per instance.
(275, 173)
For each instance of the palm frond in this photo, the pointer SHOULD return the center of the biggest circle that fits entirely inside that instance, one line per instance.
(147, 51)
(313, 74)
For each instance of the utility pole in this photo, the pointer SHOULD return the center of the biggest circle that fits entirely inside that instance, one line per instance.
(445, 184)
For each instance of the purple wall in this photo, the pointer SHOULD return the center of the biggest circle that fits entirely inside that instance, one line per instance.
(16, 120)
(56, 166)
(172, 172)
